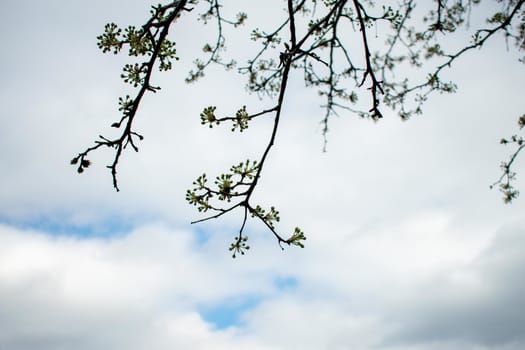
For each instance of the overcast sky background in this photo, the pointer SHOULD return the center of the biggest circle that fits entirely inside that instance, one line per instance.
(407, 247)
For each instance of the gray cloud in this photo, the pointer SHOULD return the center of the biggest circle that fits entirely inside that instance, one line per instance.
(480, 302)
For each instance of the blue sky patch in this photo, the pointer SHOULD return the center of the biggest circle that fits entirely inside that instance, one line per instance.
(285, 282)
(108, 228)
(228, 313)
(201, 234)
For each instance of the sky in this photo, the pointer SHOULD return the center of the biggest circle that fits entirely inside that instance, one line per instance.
(407, 247)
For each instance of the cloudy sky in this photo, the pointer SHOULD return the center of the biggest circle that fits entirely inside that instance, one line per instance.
(407, 247)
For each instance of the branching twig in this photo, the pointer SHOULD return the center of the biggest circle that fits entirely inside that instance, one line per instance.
(156, 45)
(375, 88)
(322, 51)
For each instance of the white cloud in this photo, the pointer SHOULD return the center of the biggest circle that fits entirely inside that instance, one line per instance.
(134, 291)
(150, 284)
